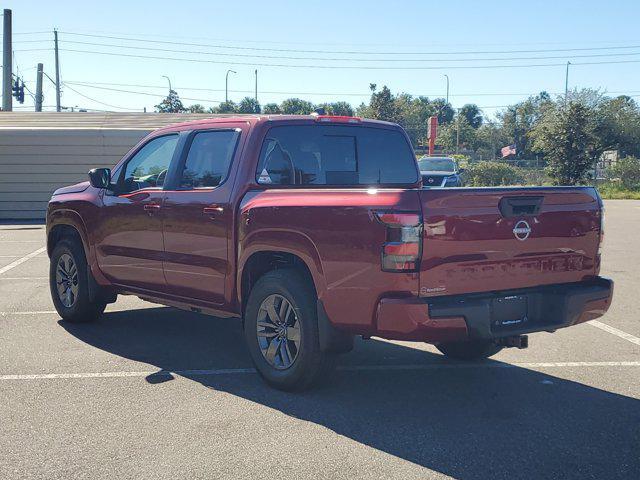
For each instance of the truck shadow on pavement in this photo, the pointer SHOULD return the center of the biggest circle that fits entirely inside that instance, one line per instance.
(468, 423)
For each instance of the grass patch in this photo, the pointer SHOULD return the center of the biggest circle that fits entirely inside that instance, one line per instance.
(612, 191)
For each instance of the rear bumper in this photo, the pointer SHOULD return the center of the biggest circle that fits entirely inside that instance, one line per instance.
(493, 314)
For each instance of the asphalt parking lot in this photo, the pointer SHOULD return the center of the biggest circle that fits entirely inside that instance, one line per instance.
(153, 392)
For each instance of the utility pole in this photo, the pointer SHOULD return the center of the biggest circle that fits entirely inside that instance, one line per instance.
(39, 88)
(226, 86)
(55, 40)
(457, 130)
(566, 83)
(447, 88)
(256, 72)
(7, 68)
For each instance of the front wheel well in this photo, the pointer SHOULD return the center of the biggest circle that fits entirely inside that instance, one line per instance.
(59, 232)
(262, 262)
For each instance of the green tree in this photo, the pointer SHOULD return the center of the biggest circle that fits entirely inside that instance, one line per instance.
(171, 104)
(271, 108)
(226, 107)
(336, 108)
(519, 120)
(196, 108)
(444, 111)
(383, 106)
(489, 140)
(248, 105)
(459, 131)
(472, 114)
(566, 136)
(618, 125)
(295, 106)
(627, 172)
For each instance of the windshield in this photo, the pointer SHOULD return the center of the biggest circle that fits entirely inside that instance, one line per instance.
(436, 164)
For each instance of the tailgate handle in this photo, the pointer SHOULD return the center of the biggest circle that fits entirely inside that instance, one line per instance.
(520, 206)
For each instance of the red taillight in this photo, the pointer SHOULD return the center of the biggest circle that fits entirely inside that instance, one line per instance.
(403, 246)
(337, 119)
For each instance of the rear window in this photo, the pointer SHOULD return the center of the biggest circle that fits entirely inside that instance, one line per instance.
(335, 155)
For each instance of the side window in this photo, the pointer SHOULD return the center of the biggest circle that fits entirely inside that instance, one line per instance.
(148, 167)
(335, 155)
(209, 158)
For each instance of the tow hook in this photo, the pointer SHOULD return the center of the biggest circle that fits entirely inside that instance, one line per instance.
(518, 341)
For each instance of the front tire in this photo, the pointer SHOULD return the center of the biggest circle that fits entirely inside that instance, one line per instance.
(469, 350)
(69, 283)
(281, 331)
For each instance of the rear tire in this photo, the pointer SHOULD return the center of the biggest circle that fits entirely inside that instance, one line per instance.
(69, 283)
(469, 350)
(281, 331)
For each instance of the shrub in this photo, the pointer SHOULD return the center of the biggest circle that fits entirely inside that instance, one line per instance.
(491, 174)
(626, 171)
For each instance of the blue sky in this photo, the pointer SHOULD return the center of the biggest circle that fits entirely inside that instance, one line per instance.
(357, 33)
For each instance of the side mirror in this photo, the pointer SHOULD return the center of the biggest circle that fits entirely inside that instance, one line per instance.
(460, 170)
(100, 177)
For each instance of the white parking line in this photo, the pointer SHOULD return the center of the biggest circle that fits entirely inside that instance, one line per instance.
(35, 312)
(349, 368)
(24, 278)
(615, 331)
(21, 241)
(20, 261)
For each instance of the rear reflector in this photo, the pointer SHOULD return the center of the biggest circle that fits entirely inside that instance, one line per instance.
(403, 247)
(337, 119)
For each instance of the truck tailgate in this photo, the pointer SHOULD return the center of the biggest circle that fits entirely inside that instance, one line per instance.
(488, 239)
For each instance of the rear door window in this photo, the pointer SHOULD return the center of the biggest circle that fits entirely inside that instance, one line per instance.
(335, 155)
(209, 158)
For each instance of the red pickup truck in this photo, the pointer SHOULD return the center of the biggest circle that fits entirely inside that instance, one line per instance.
(314, 229)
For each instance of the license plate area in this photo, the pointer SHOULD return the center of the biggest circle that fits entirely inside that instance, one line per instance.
(509, 313)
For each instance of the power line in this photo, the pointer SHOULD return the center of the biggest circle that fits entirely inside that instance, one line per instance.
(194, 99)
(348, 67)
(339, 94)
(140, 93)
(93, 99)
(343, 59)
(28, 33)
(356, 52)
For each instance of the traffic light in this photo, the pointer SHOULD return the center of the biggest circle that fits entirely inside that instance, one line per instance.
(18, 90)
(21, 93)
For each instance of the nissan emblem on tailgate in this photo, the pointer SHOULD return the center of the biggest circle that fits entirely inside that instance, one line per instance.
(522, 230)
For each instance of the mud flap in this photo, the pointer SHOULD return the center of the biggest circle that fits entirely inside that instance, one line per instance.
(96, 292)
(331, 339)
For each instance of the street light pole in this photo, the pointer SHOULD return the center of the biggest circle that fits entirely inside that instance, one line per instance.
(226, 86)
(168, 80)
(447, 76)
(566, 83)
(457, 130)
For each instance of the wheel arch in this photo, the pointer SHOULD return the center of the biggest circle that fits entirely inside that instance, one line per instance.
(67, 223)
(261, 262)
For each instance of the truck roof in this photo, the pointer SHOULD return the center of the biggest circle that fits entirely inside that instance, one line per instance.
(258, 118)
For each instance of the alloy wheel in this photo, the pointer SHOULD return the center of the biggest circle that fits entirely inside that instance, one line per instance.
(67, 280)
(278, 331)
